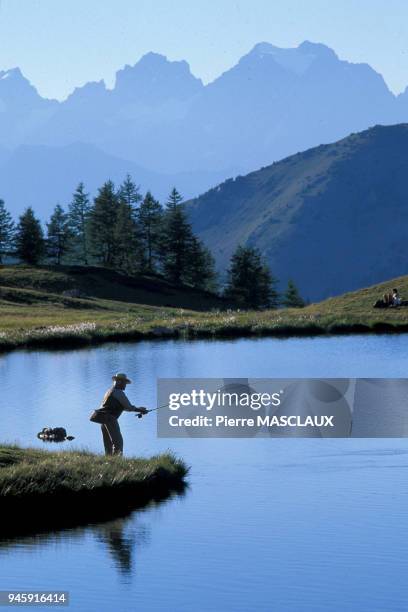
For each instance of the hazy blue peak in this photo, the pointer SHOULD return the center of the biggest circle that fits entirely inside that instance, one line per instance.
(11, 73)
(89, 90)
(296, 60)
(155, 64)
(153, 59)
(154, 77)
(317, 49)
(265, 47)
(15, 87)
(13, 78)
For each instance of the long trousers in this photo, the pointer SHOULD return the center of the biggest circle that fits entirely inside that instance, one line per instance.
(112, 438)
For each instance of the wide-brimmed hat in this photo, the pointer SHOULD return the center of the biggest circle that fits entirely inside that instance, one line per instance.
(121, 377)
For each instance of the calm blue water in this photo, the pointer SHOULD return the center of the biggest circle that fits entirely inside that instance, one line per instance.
(267, 524)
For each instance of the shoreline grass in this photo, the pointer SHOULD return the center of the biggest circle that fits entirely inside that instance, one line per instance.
(188, 325)
(40, 318)
(40, 488)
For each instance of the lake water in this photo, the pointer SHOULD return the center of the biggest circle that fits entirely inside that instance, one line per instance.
(267, 524)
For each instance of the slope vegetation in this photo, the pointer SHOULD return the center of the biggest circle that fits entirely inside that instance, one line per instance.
(35, 318)
(333, 218)
(89, 284)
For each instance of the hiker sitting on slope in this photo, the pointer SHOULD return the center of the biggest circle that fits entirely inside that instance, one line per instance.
(390, 299)
(396, 298)
(384, 303)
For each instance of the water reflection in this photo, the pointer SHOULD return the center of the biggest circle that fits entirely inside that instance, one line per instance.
(120, 538)
(42, 517)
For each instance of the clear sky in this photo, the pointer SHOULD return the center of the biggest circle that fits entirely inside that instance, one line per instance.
(61, 44)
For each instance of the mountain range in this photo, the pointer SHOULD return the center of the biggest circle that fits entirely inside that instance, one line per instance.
(42, 176)
(163, 125)
(333, 218)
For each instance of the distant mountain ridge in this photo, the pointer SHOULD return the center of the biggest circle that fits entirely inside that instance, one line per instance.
(274, 102)
(333, 218)
(42, 176)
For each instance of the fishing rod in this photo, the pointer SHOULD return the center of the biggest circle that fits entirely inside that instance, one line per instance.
(139, 416)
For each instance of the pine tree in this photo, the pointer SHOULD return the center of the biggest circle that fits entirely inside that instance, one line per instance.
(250, 283)
(102, 224)
(175, 198)
(177, 240)
(292, 297)
(201, 272)
(150, 216)
(30, 243)
(6, 231)
(129, 253)
(79, 214)
(58, 234)
(129, 194)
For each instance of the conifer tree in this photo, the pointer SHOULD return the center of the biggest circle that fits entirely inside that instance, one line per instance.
(150, 216)
(102, 224)
(129, 252)
(250, 282)
(79, 213)
(175, 198)
(200, 271)
(58, 235)
(6, 231)
(292, 297)
(177, 240)
(129, 194)
(30, 243)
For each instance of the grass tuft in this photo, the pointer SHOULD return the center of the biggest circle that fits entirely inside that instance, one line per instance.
(28, 472)
(38, 487)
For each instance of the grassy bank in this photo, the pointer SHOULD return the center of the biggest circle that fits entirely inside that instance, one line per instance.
(51, 489)
(39, 316)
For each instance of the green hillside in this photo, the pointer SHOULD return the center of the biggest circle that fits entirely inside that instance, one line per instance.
(33, 316)
(333, 218)
(356, 307)
(67, 282)
(61, 306)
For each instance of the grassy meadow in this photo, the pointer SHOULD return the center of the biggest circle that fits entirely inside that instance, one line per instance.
(60, 308)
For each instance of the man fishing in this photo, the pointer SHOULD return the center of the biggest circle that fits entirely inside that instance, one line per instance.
(113, 404)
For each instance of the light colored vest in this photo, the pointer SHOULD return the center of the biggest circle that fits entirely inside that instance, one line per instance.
(111, 405)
